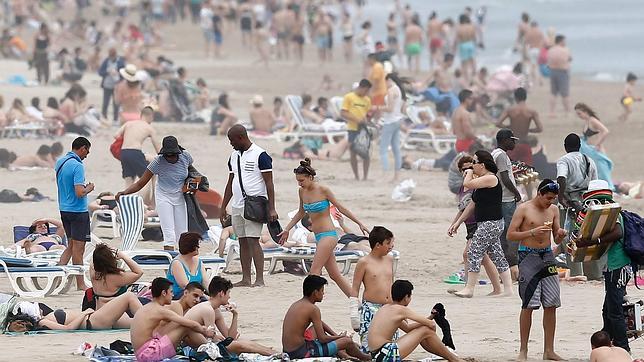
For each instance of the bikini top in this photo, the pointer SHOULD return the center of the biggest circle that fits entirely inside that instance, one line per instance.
(120, 291)
(318, 206)
(589, 132)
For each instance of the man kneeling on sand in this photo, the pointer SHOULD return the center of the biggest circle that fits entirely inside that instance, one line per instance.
(301, 315)
(209, 314)
(604, 351)
(394, 316)
(153, 342)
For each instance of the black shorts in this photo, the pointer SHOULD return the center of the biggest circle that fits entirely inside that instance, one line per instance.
(133, 163)
(471, 229)
(76, 225)
(351, 136)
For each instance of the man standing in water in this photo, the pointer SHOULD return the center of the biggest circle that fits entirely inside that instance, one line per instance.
(250, 174)
(559, 62)
(534, 223)
(466, 43)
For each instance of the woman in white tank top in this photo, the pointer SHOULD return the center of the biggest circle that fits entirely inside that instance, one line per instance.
(392, 115)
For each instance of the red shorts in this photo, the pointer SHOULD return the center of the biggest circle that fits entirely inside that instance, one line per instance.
(463, 145)
(435, 43)
(521, 152)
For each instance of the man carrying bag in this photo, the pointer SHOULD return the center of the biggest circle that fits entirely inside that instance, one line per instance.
(251, 193)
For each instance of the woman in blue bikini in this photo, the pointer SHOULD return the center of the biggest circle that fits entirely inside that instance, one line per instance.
(315, 199)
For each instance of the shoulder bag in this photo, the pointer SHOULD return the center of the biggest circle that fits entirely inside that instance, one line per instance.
(255, 207)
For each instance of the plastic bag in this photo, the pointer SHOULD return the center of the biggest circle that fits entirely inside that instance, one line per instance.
(403, 191)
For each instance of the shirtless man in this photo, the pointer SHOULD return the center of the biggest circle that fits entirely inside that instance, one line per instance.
(192, 294)
(604, 351)
(283, 22)
(42, 158)
(466, 43)
(534, 223)
(534, 41)
(209, 314)
(419, 330)
(559, 63)
(522, 29)
(375, 271)
(303, 313)
(435, 37)
(262, 118)
(134, 133)
(521, 117)
(153, 342)
(413, 43)
(439, 86)
(322, 29)
(462, 122)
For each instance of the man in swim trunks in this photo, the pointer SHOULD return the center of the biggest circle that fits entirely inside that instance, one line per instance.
(466, 42)
(153, 342)
(301, 315)
(559, 63)
(413, 40)
(534, 40)
(375, 271)
(394, 316)
(134, 133)
(521, 116)
(534, 222)
(462, 122)
(435, 35)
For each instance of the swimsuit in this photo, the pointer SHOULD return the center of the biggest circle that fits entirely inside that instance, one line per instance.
(314, 348)
(88, 324)
(315, 207)
(589, 133)
(413, 49)
(435, 43)
(387, 353)
(538, 278)
(463, 145)
(176, 288)
(324, 234)
(466, 50)
(368, 310)
(156, 349)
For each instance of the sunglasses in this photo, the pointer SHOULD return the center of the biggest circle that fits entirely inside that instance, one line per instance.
(552, 187)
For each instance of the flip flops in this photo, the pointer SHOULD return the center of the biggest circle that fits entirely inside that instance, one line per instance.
(454, 279)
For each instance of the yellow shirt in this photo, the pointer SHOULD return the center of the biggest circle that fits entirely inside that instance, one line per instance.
(377, 78)
(357, 106)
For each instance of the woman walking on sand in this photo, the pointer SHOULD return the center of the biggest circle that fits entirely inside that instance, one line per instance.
(316, 199)
(486, 205)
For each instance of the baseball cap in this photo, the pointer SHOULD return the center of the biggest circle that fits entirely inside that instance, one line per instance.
(505, 133)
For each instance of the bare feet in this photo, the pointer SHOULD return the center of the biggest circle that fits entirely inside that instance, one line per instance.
(242, 283)
(552, 356)
(523, 355)
(494, 293)
(259, 283)
(461, 294)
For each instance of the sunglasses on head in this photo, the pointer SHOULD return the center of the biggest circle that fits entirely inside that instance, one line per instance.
(552, 187)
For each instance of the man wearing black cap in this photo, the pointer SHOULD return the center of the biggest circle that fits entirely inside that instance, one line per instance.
(506, 141)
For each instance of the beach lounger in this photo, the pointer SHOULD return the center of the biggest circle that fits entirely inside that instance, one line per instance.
(111, 214)
(329, 130)
(426, 137)
(24, 130)
(24, 275)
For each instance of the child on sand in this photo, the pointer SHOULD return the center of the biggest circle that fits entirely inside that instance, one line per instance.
(375, 271)
(301, 315)
(419, 330)
(628, 97)
(153, 342)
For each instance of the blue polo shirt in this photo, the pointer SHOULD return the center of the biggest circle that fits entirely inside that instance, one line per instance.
(72, 173)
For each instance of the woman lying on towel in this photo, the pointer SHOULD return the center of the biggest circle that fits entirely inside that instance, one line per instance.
(41, 237)
(27, 316)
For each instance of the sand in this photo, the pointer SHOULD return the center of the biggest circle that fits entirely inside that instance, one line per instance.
(484, 328)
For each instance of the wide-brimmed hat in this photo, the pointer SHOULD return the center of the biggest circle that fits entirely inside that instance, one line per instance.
(257, 100)
(129, 73)
(170, 146)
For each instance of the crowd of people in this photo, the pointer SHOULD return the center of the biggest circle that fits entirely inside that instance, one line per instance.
(514, 229)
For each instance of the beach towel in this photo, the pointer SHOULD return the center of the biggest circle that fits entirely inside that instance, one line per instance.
(52, 331)
(603, 163)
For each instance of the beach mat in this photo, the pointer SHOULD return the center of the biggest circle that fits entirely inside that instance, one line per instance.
(51, 331)
(133, 358)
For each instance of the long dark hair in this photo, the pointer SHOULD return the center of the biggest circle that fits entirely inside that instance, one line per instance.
(105, 262)
(394, 78)
(305, 168)
(586, 109)
(487, 160)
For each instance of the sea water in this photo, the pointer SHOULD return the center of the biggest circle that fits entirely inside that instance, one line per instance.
(606, 37)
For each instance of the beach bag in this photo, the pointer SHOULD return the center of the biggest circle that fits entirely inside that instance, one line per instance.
(255, 207)
(362, 143)
(633, 237)
(115, 147)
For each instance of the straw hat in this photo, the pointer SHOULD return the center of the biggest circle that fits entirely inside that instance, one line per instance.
(129, 73)
(257, 100)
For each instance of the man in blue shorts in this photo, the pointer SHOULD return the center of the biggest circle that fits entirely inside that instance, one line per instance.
(72, 202)
(300, 341)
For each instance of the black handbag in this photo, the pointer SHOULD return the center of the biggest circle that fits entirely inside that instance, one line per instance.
(362, 143)
(255, 207)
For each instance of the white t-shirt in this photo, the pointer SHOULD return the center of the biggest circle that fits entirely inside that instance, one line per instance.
(254, 161)
(396, 114)
(503, 163)
(572, 166)
(206, 18)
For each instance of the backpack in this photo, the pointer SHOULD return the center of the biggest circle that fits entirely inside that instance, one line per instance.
(633, 237)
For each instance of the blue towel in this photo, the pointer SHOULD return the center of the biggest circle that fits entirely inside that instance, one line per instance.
(604, 164)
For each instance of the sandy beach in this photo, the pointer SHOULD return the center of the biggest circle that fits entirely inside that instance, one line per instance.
(484, 328)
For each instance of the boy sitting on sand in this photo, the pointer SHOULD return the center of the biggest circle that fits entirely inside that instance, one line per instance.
(394, 316)
(604, 351)
(375, 271)
(192, 295)
(153, 342)
(209, 314)
(301, 315)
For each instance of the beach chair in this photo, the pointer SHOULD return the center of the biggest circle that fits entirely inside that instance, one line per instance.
(132, 213)
(304, 254)
(113, 223)
(307, 129)
(336, 106)
(24, 276)
(426, 137)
